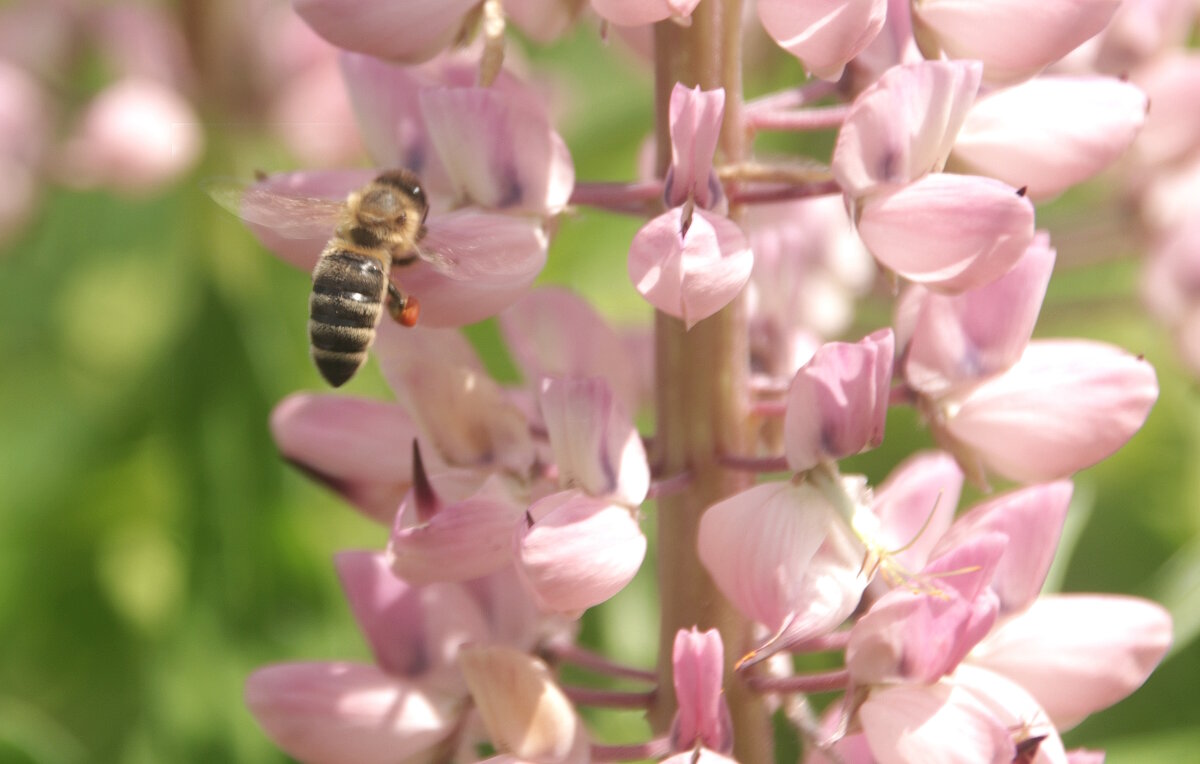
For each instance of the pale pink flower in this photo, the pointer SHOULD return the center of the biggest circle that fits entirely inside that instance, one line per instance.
(405, 703)
(695, 122)
(914, 506)
(1015, 39)
(409, 32)
(950, 232)
(135, 136)
(948, 340)
(1078, 653)
(703, 719)
(638, 12)
(575, 551)
(837, 403)
(904, 126)
(825, 34)
(360, 448)
(1050, 133)
(784, 557)
(1172, 84)
(690, 266)
(523, 709)
(1065, 405)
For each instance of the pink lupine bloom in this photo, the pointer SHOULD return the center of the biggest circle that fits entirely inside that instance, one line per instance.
(360, 448)
(459, 410)
(1078, 653)
(904, 125)
(690, 262)
(703, 718)
(1065, 405)
(690, 266)
(581, 546)
(952, 232)
(837, 403)
(135, 136)
(826, 34)
(695, 121)
(1014, 39)
(1031, 519)
(950, 340)
(522, 707)
(1171, 83)
(403, 704)
(782, 554)
(577, 551)
(914, 507)
(638, 12)
(1050, 133)
(921, 634)
(409, 32)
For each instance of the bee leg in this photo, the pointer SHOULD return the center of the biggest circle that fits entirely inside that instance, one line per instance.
(403, 308)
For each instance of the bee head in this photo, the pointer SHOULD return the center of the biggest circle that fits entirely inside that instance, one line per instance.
(392, 206)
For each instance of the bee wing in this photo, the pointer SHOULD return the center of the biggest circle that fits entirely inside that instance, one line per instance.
(290, 216)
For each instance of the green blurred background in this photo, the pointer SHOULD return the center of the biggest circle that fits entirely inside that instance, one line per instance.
(154, 549)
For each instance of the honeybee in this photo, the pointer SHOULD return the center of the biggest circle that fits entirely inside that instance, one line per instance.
(379, 226)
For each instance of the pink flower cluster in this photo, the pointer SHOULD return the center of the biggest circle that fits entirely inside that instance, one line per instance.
(514, 509)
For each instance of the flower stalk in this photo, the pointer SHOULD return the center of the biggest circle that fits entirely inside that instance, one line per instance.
(700, 401)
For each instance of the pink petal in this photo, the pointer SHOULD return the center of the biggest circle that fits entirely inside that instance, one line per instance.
(703, 717)
(384, 97)
(904, 125)
(479, 264)
(692, 273)
(551, 331)
(782, 556)
(916, 504)
(934, 724)
(1016, 709)
(409, 32)
(1051, 132)
(1065, 405)
(498, 151)
(594, 443)
(1032, 520)
(460, 411)
(919, 636)
(135, 136)
(578, 551)
(825, 34)
(949, 232)
(1078, 654)
(1015, 39)
(1171, 83)
(360, 448)
(411, 630)
(698, 756)
(983, 331)
(637, 12)
(523, 709)
(837, 403)
(695, 123)
(465, 539)
(329, 713)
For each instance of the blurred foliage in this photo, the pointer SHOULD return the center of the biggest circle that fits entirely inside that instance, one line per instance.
(154, 549)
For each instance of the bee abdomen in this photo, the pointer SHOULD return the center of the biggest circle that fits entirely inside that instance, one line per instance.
(344, 308)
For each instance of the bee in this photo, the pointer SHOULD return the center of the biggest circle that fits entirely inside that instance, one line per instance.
(377, 227)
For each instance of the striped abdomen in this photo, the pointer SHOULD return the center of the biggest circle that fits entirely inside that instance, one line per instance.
(344, 309)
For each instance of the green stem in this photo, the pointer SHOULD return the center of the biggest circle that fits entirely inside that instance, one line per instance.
(702, 404)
